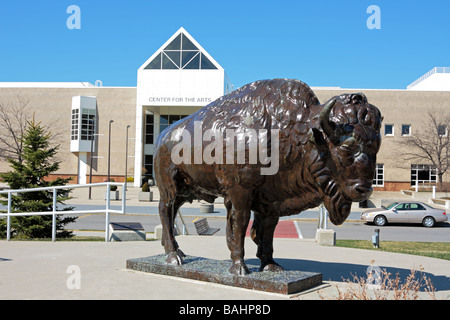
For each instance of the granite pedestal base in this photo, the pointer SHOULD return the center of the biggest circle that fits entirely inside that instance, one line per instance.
(216, 271)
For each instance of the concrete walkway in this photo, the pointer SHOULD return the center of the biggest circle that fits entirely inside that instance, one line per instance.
(96, 270)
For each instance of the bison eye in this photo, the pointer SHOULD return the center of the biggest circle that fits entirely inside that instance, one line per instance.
(350, 148)
(349, 145)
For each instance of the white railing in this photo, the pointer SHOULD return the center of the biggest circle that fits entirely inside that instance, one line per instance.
(54, 213)
(428, 74)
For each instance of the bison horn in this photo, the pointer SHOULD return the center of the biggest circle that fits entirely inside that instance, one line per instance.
(325, 122)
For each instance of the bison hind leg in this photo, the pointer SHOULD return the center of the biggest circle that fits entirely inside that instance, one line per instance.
(167, 212)
(262, 231)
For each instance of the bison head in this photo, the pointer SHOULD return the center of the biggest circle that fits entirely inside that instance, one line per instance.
(348, 138)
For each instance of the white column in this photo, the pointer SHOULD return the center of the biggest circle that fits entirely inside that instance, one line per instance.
(138, 146)
(82, 167)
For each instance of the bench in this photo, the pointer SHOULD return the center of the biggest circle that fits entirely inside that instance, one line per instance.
(126, 231)
(203, 228)
(408, 193)
(441, 202)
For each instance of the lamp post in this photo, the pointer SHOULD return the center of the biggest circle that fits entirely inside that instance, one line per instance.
(126, 156)
(376, 239)
(109, 150)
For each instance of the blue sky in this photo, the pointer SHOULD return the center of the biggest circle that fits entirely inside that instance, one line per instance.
(322, 42)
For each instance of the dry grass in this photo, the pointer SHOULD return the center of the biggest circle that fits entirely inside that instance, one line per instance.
(380, 285)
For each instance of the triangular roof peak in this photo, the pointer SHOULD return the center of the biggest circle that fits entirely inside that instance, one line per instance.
(181, 52)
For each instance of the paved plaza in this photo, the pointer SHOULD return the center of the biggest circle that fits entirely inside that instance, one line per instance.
(96, 270)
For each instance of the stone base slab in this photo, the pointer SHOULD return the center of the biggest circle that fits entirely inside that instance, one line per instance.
(216, 271)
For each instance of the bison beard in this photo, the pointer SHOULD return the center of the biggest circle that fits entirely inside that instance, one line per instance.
(333, 198)
(327, 154)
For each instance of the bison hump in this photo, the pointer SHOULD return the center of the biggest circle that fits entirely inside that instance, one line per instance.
(264, 104)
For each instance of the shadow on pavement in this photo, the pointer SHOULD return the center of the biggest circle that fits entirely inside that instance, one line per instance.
(340, 272)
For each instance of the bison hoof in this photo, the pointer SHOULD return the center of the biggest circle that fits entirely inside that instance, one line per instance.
(239, 268)
(175, 258)
(272, 267)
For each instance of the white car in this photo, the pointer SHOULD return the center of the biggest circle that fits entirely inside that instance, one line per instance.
(407, 212)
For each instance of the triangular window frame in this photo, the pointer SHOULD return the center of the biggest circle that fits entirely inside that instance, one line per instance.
(181, 53)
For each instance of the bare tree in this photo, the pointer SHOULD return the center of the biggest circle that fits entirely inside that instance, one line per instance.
(430, 143)
(13, 121)
(14, 117)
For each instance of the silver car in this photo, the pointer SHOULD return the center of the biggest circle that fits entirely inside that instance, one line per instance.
(408, 212)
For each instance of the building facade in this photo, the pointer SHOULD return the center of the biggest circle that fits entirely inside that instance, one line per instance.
(111, 131)
(177, 80)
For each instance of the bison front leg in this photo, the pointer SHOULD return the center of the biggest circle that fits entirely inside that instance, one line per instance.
(237, 222)
(238, 216)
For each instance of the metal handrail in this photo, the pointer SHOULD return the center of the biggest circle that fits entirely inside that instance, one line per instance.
(54, 213)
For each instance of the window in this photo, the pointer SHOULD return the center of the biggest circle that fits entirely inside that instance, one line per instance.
(388, 129)
(87, 124)
(173, 119)
(409, 206)
(402, 206)
(74, 129)
(406, 129)
(390, 206)
(378, 179)
(166, 120)
(181, 53)
(416, 206)
(87, 129)
(163, 122)
(422, 173)
(442, 130)
(149, 131)
(148, 165)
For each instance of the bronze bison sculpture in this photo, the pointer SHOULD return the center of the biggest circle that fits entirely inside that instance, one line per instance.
(318, 154)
